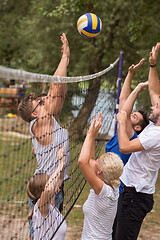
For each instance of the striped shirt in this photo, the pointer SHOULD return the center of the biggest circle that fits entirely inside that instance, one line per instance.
(99, 214)
(47, 155)
(44, 227)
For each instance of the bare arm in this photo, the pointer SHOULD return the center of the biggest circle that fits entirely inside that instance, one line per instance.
(57, 91)
(53, 184)
(125, 145)
(126, 89)
(85, 162)
(154, 85)
(128, 106)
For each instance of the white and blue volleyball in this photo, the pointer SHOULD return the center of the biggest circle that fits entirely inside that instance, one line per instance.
(89, 25)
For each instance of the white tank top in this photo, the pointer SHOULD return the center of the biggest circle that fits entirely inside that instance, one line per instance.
(44, 228)
(46, 155)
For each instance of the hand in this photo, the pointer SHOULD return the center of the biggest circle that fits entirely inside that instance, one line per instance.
(65, 47)
(96, 124)
(154, 54)
(133, 67)
(142, 85)
(33, 152)
(61, 157)
(121, 117)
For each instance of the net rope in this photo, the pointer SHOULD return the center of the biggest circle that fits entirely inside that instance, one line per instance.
(10, 73)
(86, 96)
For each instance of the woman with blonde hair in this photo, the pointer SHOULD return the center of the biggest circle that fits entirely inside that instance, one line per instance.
(42, 189)
(103, 176)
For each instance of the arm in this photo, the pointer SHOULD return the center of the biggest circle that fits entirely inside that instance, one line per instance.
(85, 162)
(128, 107)
(154, 85)
(54, 104)
(125, 145)
(126, 89)
(53, 184)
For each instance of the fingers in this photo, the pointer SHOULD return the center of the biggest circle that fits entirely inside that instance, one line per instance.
(121, 116)
(145, 83)
(153, 54)
(96, 123)
(65, 47)
(141, 61)
(133, 67)
(157, 45)
(139, 64)
(93, 121)
(60, 152)
(61, 149)
(99, 119)
(33, 152)
(63, 37)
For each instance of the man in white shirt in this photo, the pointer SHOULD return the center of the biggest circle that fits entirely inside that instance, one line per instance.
(141, 171)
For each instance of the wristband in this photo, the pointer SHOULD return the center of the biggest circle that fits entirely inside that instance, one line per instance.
(152, 66)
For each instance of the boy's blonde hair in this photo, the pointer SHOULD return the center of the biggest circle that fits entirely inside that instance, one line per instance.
(112, 167)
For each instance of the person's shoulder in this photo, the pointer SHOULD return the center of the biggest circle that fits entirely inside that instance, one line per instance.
(108, 191)
(36, 210)
(33, 121)
(152, 127)
(32, 126)
(58, 125)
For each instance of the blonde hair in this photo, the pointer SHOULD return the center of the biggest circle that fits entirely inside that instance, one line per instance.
(25, 107)
(112, 167)
(35, 187)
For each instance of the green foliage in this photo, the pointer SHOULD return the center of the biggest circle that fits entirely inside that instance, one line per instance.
(30, 34)
(31, 31)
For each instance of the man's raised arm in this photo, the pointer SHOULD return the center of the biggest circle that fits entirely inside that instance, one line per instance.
(57, 91)
(153, 80)
(126, 89)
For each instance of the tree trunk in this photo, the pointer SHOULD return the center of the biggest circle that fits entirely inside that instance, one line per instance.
(80, 122)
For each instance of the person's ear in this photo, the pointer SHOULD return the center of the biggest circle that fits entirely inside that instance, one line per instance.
(99, 171)
(137, 128)
(34, 115)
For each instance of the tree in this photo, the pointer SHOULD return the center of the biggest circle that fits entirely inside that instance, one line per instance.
(31, 31)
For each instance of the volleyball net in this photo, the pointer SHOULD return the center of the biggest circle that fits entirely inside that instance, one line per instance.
(86, 96)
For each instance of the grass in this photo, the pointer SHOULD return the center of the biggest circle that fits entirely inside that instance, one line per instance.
(17, 165)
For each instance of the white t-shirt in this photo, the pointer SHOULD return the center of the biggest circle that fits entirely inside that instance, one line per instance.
(141, 171)
(44, 228)
(99, 214)
(47, 155)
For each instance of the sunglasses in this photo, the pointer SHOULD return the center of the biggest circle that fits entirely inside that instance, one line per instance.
(41, 102)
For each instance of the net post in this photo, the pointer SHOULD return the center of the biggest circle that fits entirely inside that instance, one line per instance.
(119, 85)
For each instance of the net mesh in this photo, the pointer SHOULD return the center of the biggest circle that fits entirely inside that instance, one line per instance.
(86, 96)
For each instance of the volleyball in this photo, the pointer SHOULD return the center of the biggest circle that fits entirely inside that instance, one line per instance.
(89, 25)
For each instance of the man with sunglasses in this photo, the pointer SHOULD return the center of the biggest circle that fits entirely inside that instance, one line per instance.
(43, 113)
